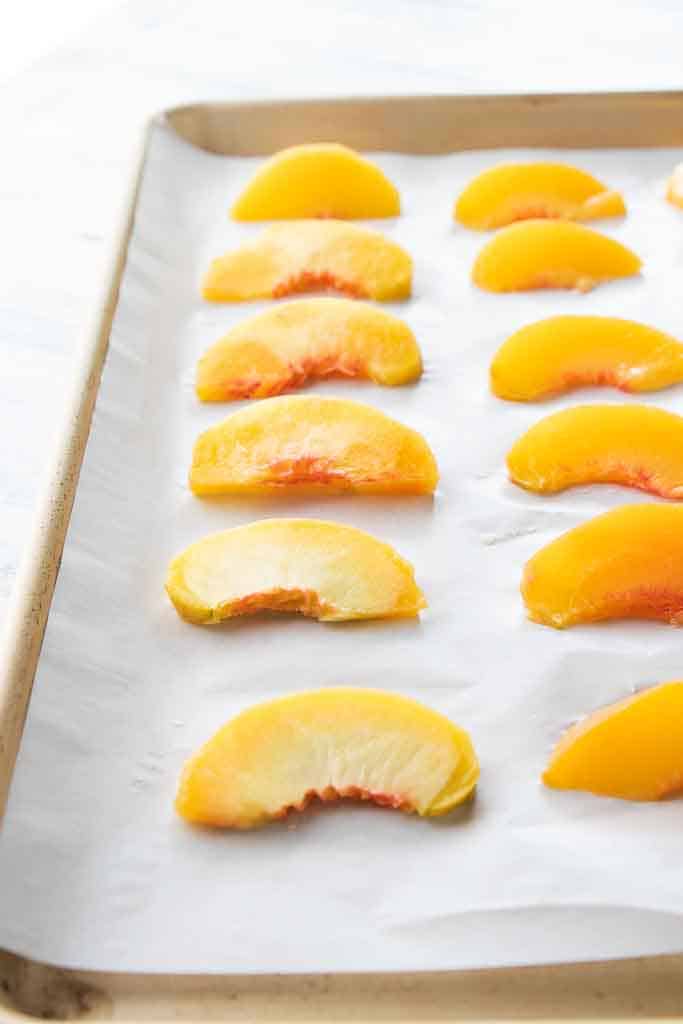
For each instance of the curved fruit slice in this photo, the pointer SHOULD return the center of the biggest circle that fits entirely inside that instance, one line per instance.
(363, 744)
(634, 445)
(324, 570)
(321, 445)
(674, 188)
(310, 255)
(632, 749)
(319, 180)
(511, 192)
(561, 353)
(625, 564)
(551, 254)
(305, 340)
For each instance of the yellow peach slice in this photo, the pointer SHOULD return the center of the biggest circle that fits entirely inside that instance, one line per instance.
(313, 445)
(632, 749)
(634, 445)
(551, 254)
(319, 180)
(511, 192)
(323, 570)
(562, 353)
(328, 744)
(310, 255)
(625, 564)
(674, 187)
(309, 339)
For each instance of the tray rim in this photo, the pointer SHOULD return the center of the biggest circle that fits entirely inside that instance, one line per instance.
(181, 118)
(71, 993)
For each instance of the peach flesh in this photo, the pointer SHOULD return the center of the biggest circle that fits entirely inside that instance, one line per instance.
(561, 353)
(631, 750)
(306, 281)
(634, 445)
(624, 564)
(331, 795)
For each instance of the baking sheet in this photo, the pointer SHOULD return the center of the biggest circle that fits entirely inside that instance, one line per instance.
(96, 870)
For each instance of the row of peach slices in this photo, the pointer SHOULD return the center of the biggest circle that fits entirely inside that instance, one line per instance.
(372, 745)
(344, 573)
(318, 188)
(627, 563)
(278, 756)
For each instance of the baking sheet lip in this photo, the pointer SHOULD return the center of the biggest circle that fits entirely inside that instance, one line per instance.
(90, 992)
(262, 102)
(168, 118)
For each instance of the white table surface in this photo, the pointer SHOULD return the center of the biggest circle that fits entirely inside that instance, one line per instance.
(77, 81)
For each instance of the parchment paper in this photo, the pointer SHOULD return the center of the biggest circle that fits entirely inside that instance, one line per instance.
(97, 871)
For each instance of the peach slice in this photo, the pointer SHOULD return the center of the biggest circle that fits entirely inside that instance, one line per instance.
(634, 445)
(551, 254)
(319, 180)
(310, 255)
(335, 743)
(317, 445)
(308, 339)
(632, 749)
(323, 570)
(624, 564)
(511, 192)
(674, 187)
(561, 353)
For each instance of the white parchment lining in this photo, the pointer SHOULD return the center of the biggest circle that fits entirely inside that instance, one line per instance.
(97, 870)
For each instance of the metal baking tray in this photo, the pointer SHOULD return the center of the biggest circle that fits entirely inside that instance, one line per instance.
(623, 990)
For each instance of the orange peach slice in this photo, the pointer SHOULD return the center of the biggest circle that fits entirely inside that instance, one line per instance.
(625, 564)
(316, 445)
(328, 744)
(561, 353)
(324, 570)
(320, 180)
(674, 187)
(309, 255)
(634, 445)
(511, 192)
(309, 339)
(632, 749)
(551, 254)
